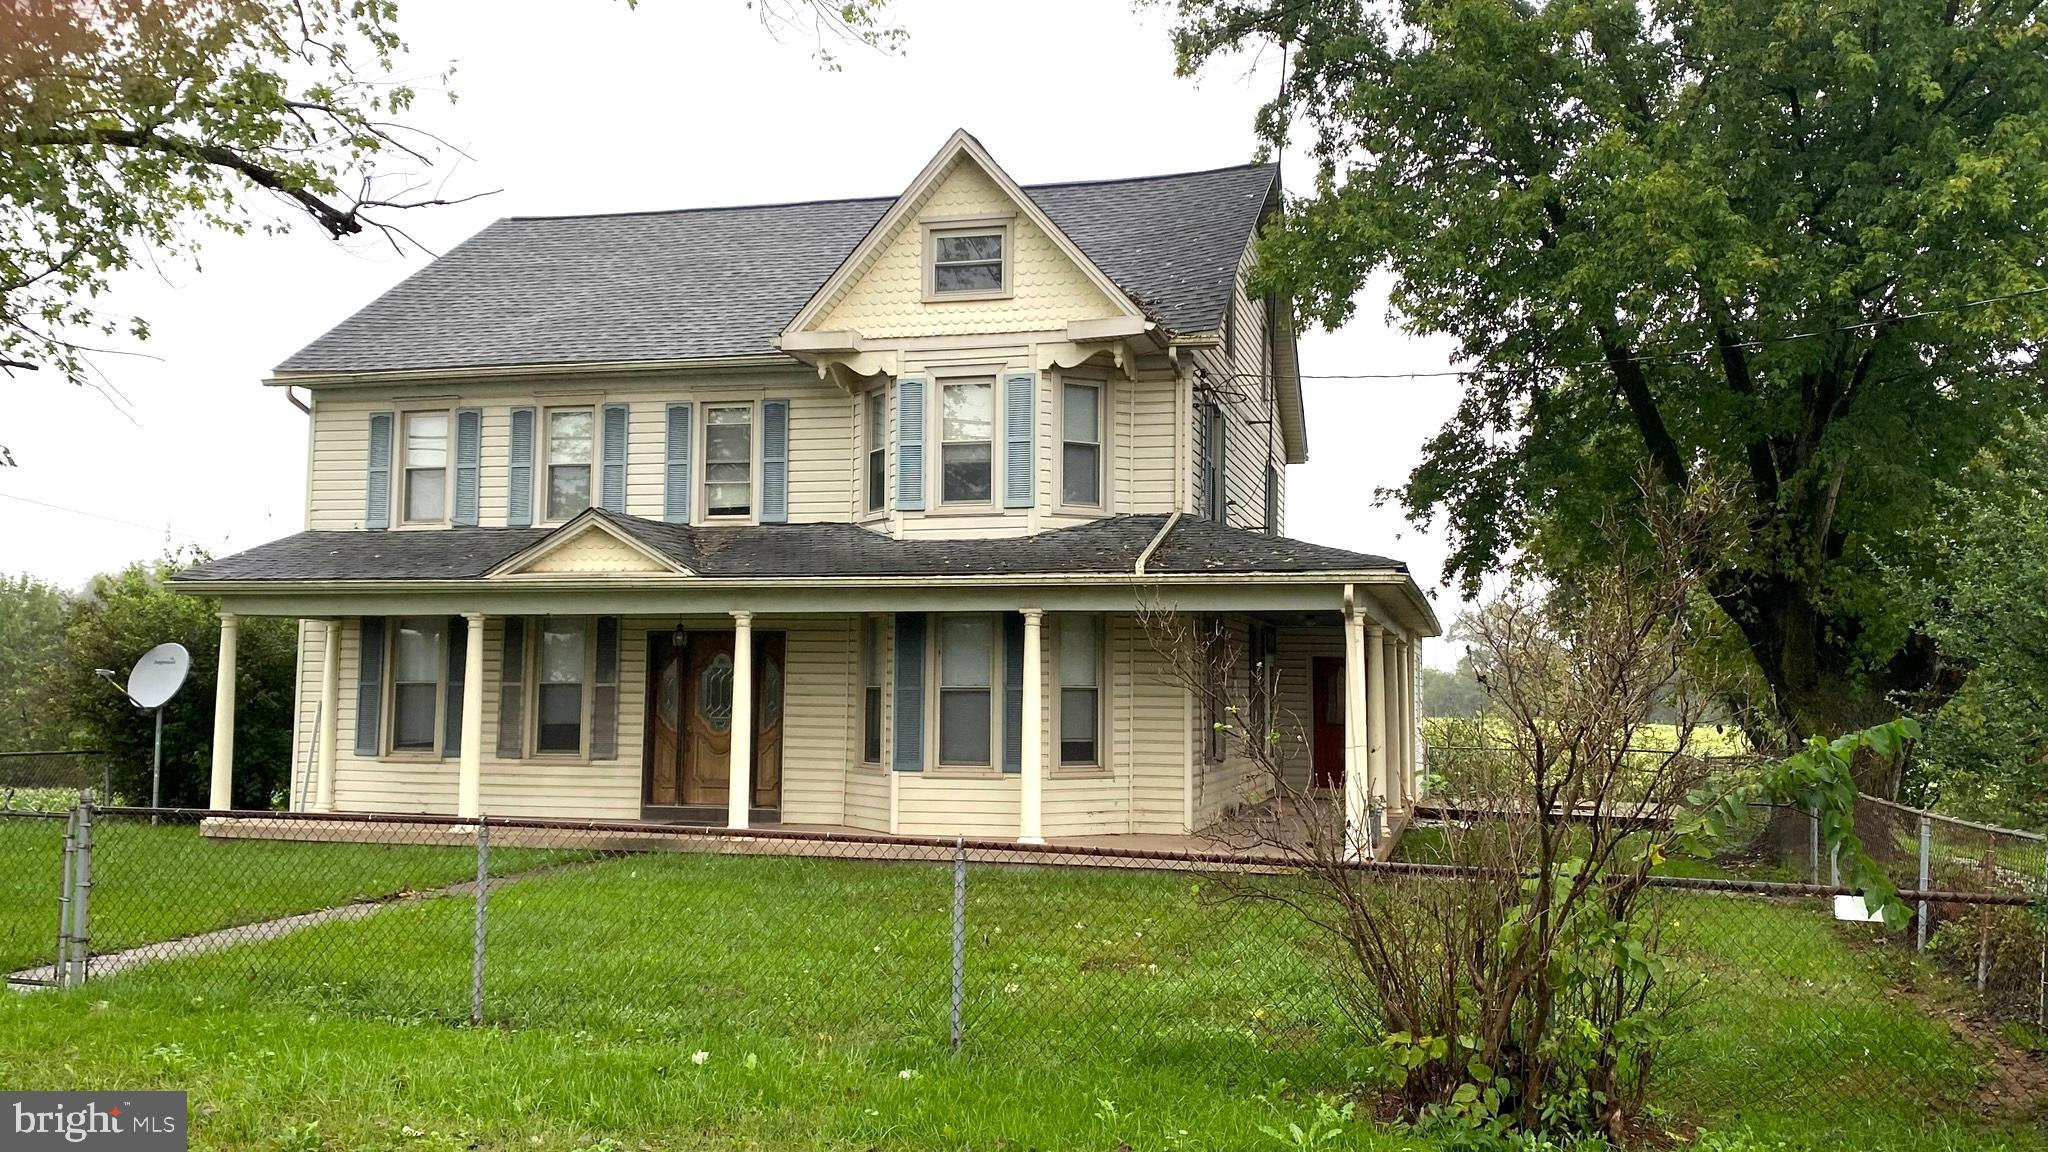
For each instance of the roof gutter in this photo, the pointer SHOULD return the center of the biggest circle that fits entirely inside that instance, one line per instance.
(1382, 576)
(281, 379)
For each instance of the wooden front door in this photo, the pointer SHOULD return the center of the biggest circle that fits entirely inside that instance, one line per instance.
(1326, 728)
(689, 740)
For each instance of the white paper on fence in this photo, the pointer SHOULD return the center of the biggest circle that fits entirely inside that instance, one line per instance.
(1854, 908)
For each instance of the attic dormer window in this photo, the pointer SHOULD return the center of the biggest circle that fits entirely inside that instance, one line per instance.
(967, 262)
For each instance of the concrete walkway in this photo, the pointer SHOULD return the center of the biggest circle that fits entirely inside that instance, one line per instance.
(219, 940)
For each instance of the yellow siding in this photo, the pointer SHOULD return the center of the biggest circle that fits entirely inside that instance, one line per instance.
(821, 448)
(1241, 389)
(595, 550)
(886, 300)
(1139, 789)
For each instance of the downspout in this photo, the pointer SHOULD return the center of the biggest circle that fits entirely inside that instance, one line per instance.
(1157, 539)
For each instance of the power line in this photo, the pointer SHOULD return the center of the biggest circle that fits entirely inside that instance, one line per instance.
(1647, 357)
(108, 519)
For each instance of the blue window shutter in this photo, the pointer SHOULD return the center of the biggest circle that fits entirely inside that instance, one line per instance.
(612, 492)
(604, 693)
(512, 691)
(909, 753)
(519, 471)
(1020, 474)
(377, 493)
(369, 683)
(1013, 691)
(910, 444)
(774, 461)
(458, 667)
(675, 501)
(469, 450)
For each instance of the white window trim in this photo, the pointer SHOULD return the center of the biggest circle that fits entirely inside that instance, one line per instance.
(867, 508)
(701, 450)
(935, 226)
(544, 470)
(1103, 406)
(1101, 765)
(535, 625)
(403, 477)
(389, 689)
(935, 631)
(935, 454)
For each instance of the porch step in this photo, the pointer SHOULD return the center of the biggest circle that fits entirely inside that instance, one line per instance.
(705, 815)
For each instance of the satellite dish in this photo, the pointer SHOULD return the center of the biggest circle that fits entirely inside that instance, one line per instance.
(158, 675)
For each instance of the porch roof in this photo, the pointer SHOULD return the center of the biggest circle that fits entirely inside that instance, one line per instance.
(1110, 546)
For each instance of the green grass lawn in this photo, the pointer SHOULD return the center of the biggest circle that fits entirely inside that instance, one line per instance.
(1103, 1009)
(163, 881)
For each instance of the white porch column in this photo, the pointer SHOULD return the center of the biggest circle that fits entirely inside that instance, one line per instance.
(221, 795)
(330, 722)
(469, 782)
(1357, 790)
(1403, 724)
(739, 788)
(1031, 819)
(1377, 649)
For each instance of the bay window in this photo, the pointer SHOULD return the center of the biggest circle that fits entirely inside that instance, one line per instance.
(967, 424)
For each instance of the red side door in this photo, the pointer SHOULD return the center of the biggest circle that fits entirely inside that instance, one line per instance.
(1326, 721)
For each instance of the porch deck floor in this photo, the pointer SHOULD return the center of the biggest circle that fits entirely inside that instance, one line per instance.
(1249, 834)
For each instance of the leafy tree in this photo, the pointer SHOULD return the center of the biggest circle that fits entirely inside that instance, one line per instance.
(1794, 244)
(31, 645)
(131, 128)
(1454, 693)
(121, 615)
(1985, 752)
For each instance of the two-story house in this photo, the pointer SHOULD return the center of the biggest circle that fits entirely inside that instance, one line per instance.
(835, 513)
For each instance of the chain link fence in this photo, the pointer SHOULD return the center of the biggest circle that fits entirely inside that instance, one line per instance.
(50, 781)
(899, 950)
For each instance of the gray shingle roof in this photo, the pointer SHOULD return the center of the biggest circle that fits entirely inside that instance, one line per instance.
(725, 281)
(1103, 547)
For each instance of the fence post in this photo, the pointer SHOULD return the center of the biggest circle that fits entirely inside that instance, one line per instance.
(81, 897)
(959, 935)
(1926, 874)
(1813, 843)
(1984, 915)
(60, 969)
(476, 951)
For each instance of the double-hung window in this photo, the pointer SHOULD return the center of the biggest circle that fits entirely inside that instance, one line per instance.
(426, 466)
(1081, 443)
(878, 448)
(559, 683)
(729, 460)
(572, 441)
(871, 690)
(968, 262)
(1214, 506)
(1080, 689)
(417, 648)
(967, 426)
(966, 698)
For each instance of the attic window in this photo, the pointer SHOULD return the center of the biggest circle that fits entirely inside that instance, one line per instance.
(968, 262)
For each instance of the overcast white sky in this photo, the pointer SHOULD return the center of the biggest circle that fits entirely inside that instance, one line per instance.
(587, 106)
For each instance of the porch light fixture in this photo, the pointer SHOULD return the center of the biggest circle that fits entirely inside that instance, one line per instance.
(677, 637)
